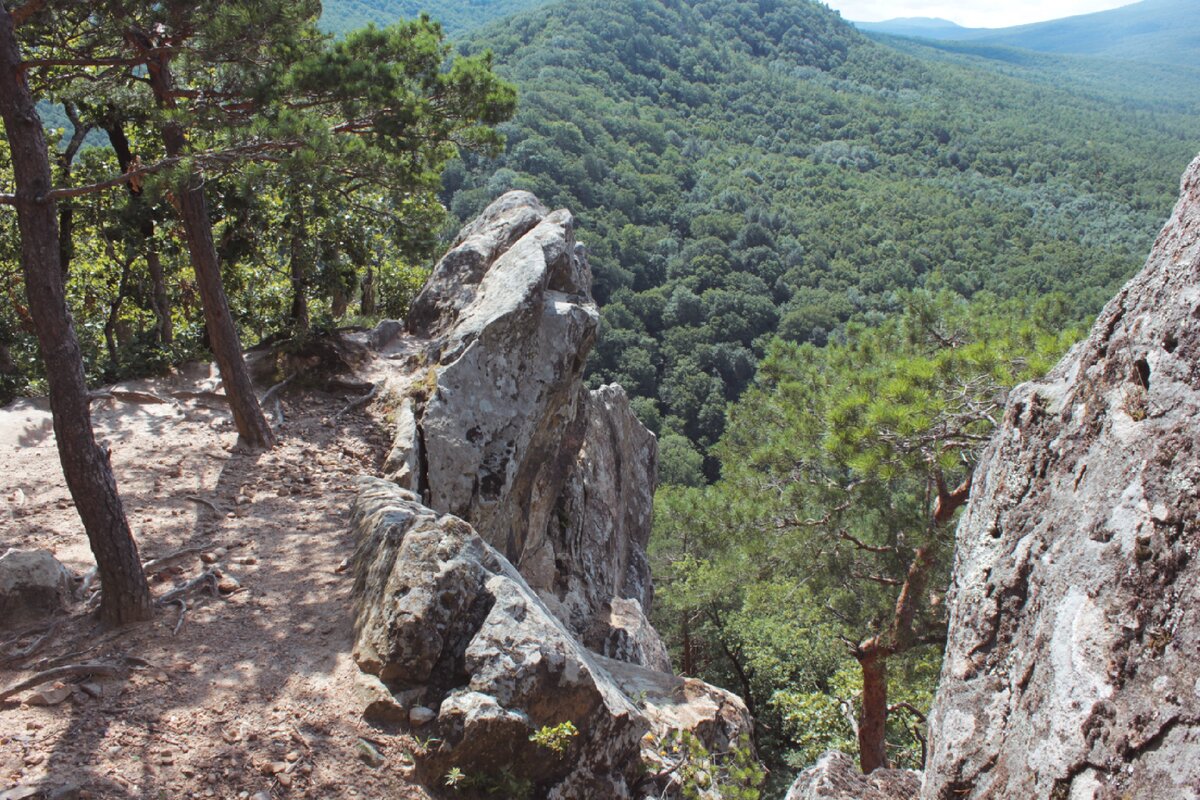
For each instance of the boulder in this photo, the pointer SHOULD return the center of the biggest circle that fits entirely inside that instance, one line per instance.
(442, 613)
(1072, 666)
(33, 584)
(836, 777)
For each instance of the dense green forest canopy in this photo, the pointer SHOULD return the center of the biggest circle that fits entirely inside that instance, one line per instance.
(746, 169)
(456, 16)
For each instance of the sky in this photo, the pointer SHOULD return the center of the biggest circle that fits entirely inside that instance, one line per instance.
(971, 13)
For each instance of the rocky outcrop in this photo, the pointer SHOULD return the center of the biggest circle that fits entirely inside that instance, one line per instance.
(501, 432)
(502, 583)
(447, 623)
(1073, 664)
(32, 584)
(836, 777)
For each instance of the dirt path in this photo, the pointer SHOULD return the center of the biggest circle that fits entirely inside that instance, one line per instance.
(255, 693)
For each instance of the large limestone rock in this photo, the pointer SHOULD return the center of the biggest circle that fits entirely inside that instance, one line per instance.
(32, 584)
(501, 432)
(836, 777)
(447, 623)
(1073, 665)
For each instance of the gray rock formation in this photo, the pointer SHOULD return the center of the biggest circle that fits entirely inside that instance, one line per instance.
(447, 623)
(836, 777)
(33, 584)
(1073, 665)
(501, 432)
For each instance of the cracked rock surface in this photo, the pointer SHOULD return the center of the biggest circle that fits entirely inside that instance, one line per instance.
(1073, 665)
(504, 434)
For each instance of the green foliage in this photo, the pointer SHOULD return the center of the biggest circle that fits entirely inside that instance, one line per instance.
(745, 169)
(555, 738)
(696, 774)
(829, 469)
(457, 16)
(320, 158)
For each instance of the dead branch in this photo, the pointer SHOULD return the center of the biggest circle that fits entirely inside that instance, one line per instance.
(880, 579)
(861, 545)
(208, 503)
(359, 403)
(69, 671)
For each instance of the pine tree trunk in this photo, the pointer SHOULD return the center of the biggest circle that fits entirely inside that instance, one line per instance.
(872, 724)
(222, 333)
(126, 596)
(299, 314)
(368, 293)
(158, 285)
(251, 425)
(159, 301)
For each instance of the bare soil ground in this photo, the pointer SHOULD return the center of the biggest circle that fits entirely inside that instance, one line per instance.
(253, 697)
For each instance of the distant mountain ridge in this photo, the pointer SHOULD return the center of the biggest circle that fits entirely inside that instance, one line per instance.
(1160, 31)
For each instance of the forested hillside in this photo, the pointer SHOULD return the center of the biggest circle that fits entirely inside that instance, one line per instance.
(743, 169)
(456, 16)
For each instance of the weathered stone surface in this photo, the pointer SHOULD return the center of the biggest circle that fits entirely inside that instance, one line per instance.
(504, 435)
(32, 584)
(622, 632)
(403, 465)
(441, 609)
(1072, 668)
(598, 533)
(836, 777)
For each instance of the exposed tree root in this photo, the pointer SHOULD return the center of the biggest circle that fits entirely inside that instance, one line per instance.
(69, 671)
(359, 403)
(208, 503)
(30, 649)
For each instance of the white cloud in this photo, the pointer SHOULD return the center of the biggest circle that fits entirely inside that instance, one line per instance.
(971, 13)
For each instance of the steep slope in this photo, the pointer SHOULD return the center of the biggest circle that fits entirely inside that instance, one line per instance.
(456, 16)
(753, 168)
(1161, 31)
(1071, 666)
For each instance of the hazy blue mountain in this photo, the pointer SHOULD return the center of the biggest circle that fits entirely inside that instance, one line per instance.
(928, 27)
(1160, 31)
(457, 16)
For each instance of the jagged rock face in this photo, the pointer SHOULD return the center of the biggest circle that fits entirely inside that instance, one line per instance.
(836, 777)
(447, 623)
(32, 584)
(558, 479)
(1073, 664)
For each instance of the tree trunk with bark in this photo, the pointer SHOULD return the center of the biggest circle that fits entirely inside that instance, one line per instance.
(126, 595)
(248, 417)
(159, 301)
(872, 723)
(900, 635)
